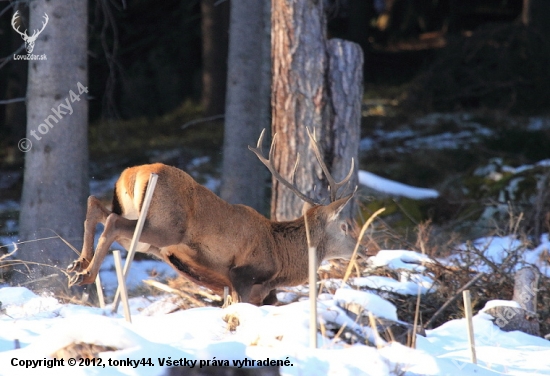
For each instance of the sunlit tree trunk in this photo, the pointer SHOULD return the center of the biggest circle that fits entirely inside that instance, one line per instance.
(311, 88)
(56, 166)
(247, 102)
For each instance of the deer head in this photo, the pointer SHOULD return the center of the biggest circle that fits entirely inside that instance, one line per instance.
(338, 236)
(29, 40)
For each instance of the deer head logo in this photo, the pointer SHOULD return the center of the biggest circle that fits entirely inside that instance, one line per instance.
(29, 40)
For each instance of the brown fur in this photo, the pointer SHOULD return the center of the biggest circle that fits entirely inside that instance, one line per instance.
(208, 240)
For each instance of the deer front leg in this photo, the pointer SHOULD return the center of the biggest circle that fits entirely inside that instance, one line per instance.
(263, 294)
(249, 283)
(95, 213)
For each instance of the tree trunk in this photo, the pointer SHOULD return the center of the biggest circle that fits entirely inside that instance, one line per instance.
(304, 67)
(56, 167)
(536, 14)
(215, 39)
(247, 103)
(346, 88)
(525, 12)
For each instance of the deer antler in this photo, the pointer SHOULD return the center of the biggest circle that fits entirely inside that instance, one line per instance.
(36, 33)
(269, 164)
(333, 185)
(13, 19)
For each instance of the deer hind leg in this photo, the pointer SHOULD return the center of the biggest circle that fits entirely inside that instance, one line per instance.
(96, 213)
(116, 228)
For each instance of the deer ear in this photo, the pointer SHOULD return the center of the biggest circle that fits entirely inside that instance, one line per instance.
(334, 208)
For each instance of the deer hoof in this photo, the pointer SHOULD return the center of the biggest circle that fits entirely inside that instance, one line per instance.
(74, 266)
(77, 279)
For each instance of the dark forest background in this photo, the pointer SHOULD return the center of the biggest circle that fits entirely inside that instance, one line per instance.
(148, 58)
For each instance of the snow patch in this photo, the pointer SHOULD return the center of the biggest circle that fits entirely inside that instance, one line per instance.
(394, 188)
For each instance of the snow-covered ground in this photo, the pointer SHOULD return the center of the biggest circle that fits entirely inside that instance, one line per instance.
(202, 336)
(393, 188)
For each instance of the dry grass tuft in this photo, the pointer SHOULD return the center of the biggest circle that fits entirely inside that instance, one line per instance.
(81, 350)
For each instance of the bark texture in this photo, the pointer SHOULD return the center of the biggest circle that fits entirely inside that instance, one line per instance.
(307, 92)
(299, 100)
(247, 103)
(346, 88)
(56, 167)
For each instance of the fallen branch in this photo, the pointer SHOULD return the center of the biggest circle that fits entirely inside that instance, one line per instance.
(166, 288)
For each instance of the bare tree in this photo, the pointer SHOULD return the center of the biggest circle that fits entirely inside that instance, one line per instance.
(535, 14)
(247, 102)
(56, 166)
(215, 33)
(316, 84)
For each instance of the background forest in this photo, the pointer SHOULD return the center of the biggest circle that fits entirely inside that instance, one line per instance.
(456, 98)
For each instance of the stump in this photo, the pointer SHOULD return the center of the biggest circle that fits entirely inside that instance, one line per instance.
(523, 318)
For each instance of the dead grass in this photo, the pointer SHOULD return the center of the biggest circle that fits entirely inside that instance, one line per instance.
(82, 350)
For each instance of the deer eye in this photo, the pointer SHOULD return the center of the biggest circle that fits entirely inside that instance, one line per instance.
(344, 227)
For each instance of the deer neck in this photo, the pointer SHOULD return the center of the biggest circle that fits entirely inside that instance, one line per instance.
(290, 238)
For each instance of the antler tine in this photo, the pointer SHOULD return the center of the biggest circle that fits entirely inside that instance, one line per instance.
(293, 175)
(269, 164)
(334, 186)
(13, 19)
(44, 23)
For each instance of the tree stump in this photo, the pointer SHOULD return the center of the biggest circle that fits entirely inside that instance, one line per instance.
(524, 317)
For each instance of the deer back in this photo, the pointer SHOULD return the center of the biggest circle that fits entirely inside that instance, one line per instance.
(196, 216)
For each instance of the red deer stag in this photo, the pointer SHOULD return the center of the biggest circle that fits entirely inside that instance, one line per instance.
(212, 242)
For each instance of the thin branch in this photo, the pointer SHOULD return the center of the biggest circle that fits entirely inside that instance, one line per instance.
(29, 241)
(14, 100)
(6, 9)
(109, 103)
(27, 263)
(453, 298)
(183, 294)
(39, 279)
(202, 120)
(9, 58)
